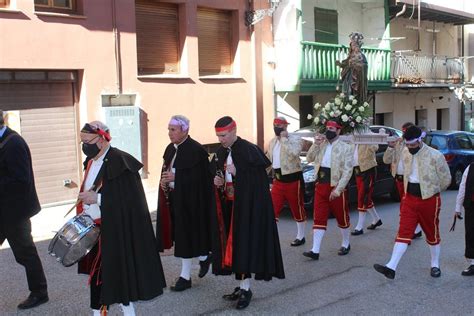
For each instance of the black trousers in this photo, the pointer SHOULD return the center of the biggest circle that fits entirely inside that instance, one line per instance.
(95, 287)
(19, 237)
(469, 231)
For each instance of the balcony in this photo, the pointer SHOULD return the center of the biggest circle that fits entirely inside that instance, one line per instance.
(426, 71)
(319, 71)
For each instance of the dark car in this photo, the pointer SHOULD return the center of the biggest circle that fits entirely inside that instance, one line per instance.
(384, 183)
(458, 149)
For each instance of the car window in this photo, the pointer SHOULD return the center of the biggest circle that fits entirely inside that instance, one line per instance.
(472, 141)
(463, 141)
(437, 141)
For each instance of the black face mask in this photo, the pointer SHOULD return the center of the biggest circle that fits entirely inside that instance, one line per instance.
(278, 130)
(413, 151)
(90, 150)
(330, 134)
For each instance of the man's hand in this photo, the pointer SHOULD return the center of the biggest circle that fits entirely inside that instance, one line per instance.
(334, 195)
(167, 177)
(218, 181)
(392, 144)
(231, 169)
(284, 134)
(458, 215)
(88, 197)
(318, 139)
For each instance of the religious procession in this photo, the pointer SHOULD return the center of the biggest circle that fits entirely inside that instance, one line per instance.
(286, 178)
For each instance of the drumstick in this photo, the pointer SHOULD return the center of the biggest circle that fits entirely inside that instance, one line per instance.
(79, 201)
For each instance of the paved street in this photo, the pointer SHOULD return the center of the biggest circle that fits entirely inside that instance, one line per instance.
(331, 286)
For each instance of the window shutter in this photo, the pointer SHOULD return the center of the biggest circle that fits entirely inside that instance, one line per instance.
(325, 26)
(215, 41)
(157, 37)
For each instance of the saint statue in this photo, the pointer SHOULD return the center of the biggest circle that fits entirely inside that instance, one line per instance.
(354, 70)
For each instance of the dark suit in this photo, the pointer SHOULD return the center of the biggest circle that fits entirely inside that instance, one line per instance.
(19, 202)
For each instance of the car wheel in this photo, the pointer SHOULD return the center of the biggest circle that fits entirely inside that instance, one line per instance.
(456, 178)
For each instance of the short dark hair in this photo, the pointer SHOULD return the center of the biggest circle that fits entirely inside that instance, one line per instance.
(412, 132)
(223, 121)
(407, 125)
(2, 119)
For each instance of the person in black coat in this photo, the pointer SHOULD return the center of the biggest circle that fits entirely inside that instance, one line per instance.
(19, 202)
(245, 235)
(125, 265)
(184, 201)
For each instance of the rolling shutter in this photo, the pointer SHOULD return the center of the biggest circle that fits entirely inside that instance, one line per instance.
(157, 37)
(215, 41)
(48, 124)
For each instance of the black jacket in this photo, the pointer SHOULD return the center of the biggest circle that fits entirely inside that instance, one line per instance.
(17, 184)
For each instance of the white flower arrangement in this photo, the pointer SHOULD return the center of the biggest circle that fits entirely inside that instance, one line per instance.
(344, 109)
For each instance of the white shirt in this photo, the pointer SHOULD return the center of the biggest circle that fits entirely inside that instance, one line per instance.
(400, 166)
(173, 170)
(93, 210)
(355, 161)
(228, 175)
(326, 162)
(414, 177)
(276, 155)
(462, 191)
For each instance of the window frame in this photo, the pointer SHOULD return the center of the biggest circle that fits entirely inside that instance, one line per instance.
(51, 8)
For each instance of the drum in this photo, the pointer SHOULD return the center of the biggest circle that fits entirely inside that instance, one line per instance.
(74, 240)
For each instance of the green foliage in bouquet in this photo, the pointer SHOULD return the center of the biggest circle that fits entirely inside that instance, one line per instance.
(346, 110)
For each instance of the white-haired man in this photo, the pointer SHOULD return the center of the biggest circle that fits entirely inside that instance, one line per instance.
(184, 202)
(288, 185)
(125, 265)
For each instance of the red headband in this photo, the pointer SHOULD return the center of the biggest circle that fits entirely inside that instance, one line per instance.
(104, 134)
(228, 127)
(333, 124)
(278, 121)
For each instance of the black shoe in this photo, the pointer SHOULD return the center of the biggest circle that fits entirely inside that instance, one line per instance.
(233, 296)
(469, 271)
(312, 255)
(298, 242)
(435, 272)
(181, 285)
(389, 273)
(344, 250)
(204, 266)
(244, 299)
(357, 232)
(374, 226)
(416, 235)
(33, 300)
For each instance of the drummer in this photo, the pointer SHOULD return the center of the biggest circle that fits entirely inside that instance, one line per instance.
(125, 265)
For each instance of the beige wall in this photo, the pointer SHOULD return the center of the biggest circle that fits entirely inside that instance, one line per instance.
(87, 44)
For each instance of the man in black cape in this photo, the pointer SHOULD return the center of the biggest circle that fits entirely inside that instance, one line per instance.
(125, 265)
(245, 235)
(19, 202)
(184, 202)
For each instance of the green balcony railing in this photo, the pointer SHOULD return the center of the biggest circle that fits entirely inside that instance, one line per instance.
(320, 73)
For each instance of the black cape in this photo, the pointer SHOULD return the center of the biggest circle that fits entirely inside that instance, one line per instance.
(131, 265)
(469, 213)
(255, 243)
(189, 202)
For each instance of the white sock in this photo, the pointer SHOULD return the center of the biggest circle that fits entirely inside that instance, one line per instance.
(417, 229)
(186, 268)
(345, 237)
(360, 223)
(245, 284)
(373, 213)
(435, 250)
(202, 258)
(398, 250)
(96, 312)
(317, 239)
(128, 310)
(301, 229)
(471, 260)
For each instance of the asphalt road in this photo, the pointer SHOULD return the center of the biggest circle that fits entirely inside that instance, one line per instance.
(333, 285)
